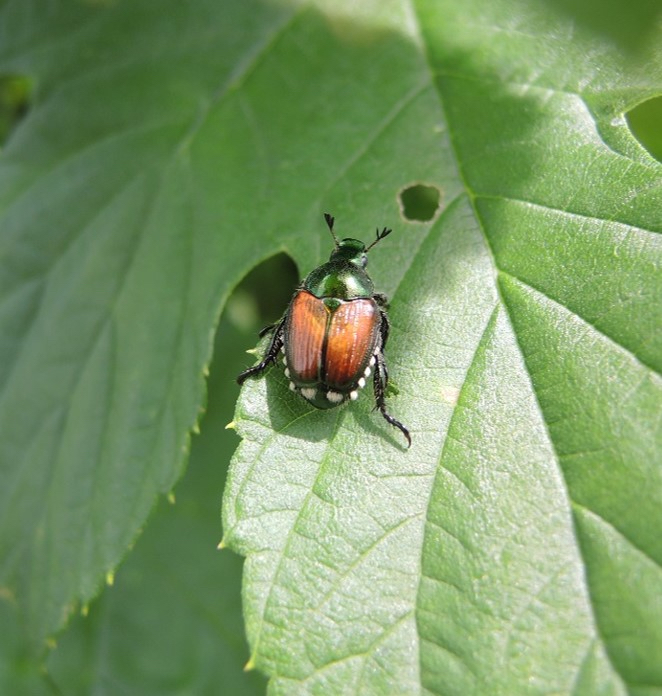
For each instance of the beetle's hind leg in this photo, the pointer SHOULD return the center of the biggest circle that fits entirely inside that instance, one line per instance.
(380, 381)
(384, 329)
(270, 354)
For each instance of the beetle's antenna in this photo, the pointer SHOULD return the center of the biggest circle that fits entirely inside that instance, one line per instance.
(329, 221)
(380, 235)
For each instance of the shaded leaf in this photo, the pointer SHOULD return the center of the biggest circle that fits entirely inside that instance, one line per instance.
(172, 622)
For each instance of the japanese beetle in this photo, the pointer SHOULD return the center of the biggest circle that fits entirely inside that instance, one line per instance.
(334, 332)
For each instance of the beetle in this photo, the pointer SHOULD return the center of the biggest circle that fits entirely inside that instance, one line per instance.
(334, 332)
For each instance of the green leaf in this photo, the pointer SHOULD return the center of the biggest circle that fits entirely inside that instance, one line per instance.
(19, 672)
(171, 146)
(116, 256)
(514, 548)
(171, 623)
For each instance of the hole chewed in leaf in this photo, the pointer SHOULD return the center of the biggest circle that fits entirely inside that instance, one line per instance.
(262, 296)
(15, 93)
(419, 202)
(645, 122)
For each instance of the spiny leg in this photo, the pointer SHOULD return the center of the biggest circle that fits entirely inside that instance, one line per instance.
(380, 380)
(384, 329)
(270, 354)
(382, 300)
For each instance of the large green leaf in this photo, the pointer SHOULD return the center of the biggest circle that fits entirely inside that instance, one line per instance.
(115, 260)
(171, 623)
(515, 548)
(171, 146)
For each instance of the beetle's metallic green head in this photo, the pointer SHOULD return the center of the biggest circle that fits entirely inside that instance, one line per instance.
(351, 250)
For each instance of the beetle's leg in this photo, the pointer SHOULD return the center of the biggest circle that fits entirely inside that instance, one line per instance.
(384, 329)
(270, 354)
(381, 299)
(380, 380)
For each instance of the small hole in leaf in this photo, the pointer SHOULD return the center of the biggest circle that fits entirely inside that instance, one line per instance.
(419, 202)
(645, 122)
(262, 296)
(15, 93)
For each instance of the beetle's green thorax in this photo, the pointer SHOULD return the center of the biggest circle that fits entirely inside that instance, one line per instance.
(344, 275)
(339, 278)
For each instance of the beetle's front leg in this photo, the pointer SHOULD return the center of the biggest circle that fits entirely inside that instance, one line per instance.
(270, 354)
(380, 381)
(381, 299)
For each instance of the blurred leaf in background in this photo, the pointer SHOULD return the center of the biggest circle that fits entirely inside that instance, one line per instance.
(14, 100)
(172, 621)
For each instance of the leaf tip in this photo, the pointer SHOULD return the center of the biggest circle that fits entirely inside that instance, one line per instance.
(171, 497)
(231, 426)
(221, 545)
(249, 666)
(110, 578)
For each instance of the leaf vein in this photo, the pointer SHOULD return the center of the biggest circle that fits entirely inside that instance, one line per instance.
(612, 341)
